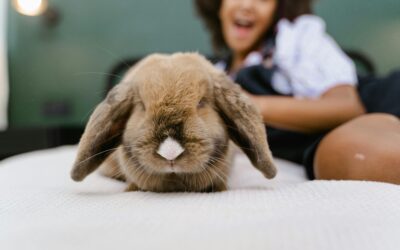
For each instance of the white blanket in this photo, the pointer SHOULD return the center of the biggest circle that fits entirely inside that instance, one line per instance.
(41, 208)
(3, 66)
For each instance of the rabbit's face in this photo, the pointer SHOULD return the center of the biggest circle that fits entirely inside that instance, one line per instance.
(174, 127)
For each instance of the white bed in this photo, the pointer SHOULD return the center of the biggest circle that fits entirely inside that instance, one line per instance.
(41, 208)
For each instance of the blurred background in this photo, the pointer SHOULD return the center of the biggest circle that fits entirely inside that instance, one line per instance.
(56, 56)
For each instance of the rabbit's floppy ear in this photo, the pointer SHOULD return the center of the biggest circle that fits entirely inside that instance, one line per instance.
(104, 130)
(244, 123)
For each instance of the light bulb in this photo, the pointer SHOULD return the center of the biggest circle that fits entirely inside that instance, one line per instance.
(30, 7)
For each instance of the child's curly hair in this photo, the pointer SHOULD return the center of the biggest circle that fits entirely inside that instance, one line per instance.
(208, 10)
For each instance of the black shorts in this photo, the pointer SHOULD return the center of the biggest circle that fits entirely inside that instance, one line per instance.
(295, 147)
(379, 95)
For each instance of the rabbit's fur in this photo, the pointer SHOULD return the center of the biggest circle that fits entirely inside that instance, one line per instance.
(179, 98)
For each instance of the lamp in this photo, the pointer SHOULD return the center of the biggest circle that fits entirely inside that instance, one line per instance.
(30, 7)
(37, 7)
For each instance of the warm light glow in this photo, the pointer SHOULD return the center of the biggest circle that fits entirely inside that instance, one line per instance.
(30, 7)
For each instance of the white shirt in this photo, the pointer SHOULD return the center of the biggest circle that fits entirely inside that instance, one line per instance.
(308, 60)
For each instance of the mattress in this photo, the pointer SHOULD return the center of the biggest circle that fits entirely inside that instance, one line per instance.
(41, 208)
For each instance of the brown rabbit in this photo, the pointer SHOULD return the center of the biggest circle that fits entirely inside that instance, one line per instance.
(167, 126)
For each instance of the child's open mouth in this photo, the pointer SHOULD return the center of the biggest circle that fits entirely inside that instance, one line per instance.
(242, 27)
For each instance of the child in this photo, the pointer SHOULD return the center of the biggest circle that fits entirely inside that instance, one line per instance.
(306, 89)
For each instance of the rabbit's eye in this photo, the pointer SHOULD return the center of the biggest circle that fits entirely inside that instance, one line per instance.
(141, 106)
(201, 104)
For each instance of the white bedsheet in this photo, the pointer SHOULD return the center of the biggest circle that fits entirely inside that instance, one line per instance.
(41, 208)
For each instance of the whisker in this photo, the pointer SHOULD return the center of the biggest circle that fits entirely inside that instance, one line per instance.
(97, 73)
(217, 174)
(102, 152)
(109, 52)
(216, 170)
(86, 116)
(224, 175)
(218, 160)
(138, 171)
(208, 175)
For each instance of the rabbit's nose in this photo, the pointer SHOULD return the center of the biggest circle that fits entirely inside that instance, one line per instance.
(170, 149)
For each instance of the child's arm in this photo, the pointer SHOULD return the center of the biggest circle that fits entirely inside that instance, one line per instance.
(333, 108)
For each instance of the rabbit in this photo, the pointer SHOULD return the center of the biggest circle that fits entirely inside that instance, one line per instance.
(168, 126)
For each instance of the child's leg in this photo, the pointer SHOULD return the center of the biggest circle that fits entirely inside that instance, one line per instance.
(366, 148)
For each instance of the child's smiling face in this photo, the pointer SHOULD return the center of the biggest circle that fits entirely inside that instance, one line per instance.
(244, 22)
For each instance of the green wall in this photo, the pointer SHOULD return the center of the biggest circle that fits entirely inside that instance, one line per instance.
(370, 26)
(67, 63)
